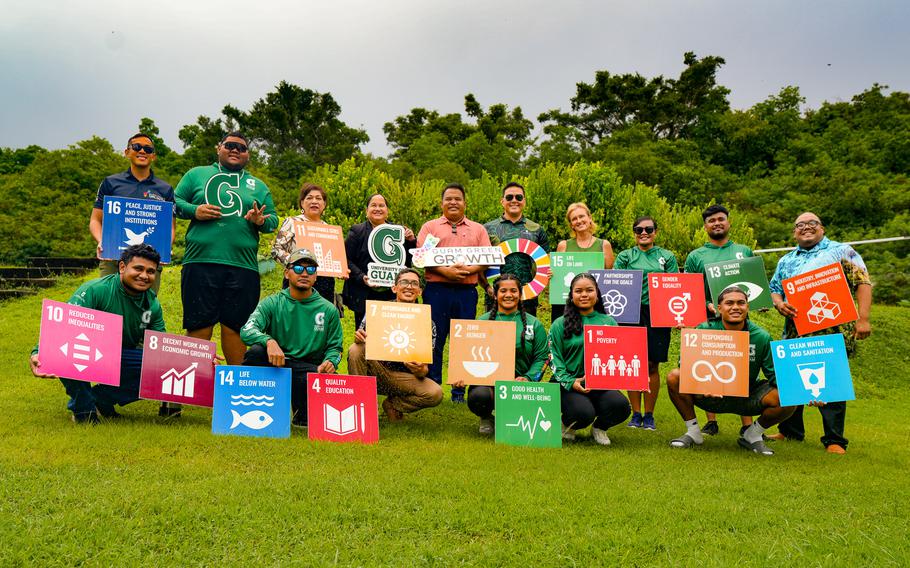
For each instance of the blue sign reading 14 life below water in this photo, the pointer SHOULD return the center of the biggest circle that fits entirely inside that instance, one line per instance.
(812, 369)
(252, 401)
(129, 221)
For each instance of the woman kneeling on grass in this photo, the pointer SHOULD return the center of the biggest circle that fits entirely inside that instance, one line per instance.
(582, 406)
(531, 351)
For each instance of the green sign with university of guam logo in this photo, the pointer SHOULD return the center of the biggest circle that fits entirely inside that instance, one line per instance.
(564, 266)
(528, 414)
(747, 273)
(386, 248)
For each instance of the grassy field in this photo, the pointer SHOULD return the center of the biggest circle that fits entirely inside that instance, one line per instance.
(433, 492)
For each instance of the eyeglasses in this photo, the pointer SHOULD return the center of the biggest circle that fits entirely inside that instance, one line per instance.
(408, 284)
(147, 148)
(640, 230)
(299, 269)
(807, 224)
(516, 196)
(242, 148)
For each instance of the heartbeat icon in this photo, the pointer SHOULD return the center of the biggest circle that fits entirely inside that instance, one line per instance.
(526, 426)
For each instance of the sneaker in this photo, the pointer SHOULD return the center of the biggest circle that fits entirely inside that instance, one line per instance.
(568, 434)
(636, 420)
(600, 436)
(458, 397)
(647, 422)
(711, 428)
(90, 418)
(486, 426)
(758, 447)
(170, 410)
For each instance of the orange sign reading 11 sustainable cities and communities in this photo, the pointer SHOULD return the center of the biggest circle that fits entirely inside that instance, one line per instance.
(326, 242)
(714, 362)
(821, 297)
(481, 352)
(397, 331)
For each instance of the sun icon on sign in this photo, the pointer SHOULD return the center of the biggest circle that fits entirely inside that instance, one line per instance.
(398, 340)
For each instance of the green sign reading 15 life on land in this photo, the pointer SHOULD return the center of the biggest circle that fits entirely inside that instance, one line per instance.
(564, 266)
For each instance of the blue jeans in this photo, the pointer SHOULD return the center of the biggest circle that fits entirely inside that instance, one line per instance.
(448, 301)
(84, 397)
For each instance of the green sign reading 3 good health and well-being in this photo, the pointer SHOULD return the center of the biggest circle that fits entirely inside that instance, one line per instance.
(528, 414)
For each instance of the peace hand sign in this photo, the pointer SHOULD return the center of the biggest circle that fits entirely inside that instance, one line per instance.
(255, 215)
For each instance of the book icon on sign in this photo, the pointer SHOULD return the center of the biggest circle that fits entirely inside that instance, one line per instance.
(343, 422)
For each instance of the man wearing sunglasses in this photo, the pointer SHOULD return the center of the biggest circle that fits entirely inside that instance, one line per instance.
(296, 329)
(514, 225)
(228, 209)
(815, 250)
(137, 182)
(452, 290)
(405, 384)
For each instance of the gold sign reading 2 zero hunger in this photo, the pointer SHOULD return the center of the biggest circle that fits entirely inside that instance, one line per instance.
(399, 332)
(482, 352)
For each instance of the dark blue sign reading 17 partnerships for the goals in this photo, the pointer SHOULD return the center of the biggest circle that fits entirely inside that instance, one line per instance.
(129, 221)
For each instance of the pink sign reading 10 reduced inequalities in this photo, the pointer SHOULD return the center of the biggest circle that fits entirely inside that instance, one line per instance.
(176, 368)
(80, 343)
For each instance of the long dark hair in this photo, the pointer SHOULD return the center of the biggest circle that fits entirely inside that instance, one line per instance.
(571, 317)
(521, 304)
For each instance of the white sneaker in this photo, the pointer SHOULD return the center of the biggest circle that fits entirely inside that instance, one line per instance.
(568, 434)
(486, 426)
(600, 436)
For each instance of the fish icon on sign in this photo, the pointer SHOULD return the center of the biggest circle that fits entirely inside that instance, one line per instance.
(254, 420)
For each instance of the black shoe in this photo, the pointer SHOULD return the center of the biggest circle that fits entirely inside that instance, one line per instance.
(743, 430)
(108, 412)
(298, 423)
(168, 411)
(711, 428)
(90, 418)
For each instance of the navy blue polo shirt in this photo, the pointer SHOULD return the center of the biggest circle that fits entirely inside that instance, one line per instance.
(125, 184)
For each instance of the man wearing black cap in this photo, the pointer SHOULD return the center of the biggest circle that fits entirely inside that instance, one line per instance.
(297, 329)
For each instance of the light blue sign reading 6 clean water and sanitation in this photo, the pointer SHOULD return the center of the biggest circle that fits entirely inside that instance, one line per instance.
(252, 401)
(127, 221)
(812, 369)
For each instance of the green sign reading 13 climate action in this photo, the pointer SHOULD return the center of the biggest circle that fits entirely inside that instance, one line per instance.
(528, 414)
(746, 273)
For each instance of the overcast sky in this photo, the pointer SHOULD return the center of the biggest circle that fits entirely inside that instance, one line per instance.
(75, 69)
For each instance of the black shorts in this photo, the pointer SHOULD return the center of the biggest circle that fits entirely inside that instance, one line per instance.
(743, 405)
(658, 337)
(217, 293)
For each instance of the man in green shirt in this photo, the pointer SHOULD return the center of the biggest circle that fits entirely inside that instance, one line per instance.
(763, 399)
(296, 329)
(719, 248)
(228, 208)
(128, 294)
(512, 224)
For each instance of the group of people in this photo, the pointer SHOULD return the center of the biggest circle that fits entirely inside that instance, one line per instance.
(299, 328)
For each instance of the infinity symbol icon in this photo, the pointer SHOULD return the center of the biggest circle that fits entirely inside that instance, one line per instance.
(713, 372)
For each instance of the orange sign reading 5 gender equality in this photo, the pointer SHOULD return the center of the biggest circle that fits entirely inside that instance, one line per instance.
(399, 332)
(714, 362)
(821, 297)
(326, 242)
(482, 352)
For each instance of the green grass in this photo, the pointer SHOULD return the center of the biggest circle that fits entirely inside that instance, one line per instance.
(432, 492)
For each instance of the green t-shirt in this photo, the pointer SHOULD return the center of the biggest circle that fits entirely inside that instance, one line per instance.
(307, 330)
(529, 362)
(568, 355)
(230, 240)
(711, 253)
(139, 313)
(760, 358)
(655, 259)
(597, 245)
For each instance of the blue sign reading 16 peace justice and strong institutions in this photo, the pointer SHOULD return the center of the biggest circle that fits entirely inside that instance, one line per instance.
(812, 369)
(128, 221)
(252, 401)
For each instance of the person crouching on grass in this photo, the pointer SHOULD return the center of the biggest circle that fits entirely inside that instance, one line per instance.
(583, 406)
(531, 352)
(763, 399)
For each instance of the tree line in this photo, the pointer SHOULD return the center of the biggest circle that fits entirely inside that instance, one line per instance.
(674, 137)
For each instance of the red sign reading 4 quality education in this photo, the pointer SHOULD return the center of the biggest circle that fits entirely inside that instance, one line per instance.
(821, 297)
(616, 357)
(677, 299)
(342, 408)
(176, 368)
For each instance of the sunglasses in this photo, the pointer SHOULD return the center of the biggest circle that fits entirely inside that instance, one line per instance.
(515, 196)
(148, 149)
(242, 148)
(300, 269)
(408, 284)
(810, 224)
(640, 230)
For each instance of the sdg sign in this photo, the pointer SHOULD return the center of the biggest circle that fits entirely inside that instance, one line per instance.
(714, 362)
(176, 368)
(822, 299)
(812, 369)
(748, 274)
(528, 414)
(676, 299)
(620, 291)
(252, 401)
(616, 357)
(342, 408)
(565, 265)
(80, 343)
(128, 221)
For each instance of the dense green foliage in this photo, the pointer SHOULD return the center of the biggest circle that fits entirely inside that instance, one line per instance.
(667, 146)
